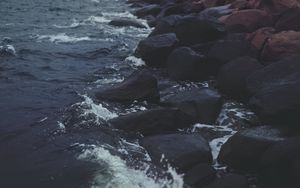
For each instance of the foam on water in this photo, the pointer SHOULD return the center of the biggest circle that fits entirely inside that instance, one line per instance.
(135, 62)
(7, 50)
(100, 112)
(63, 38)
(118, 175)
(109, 81)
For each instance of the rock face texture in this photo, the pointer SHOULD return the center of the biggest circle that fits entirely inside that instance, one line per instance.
(155, 121)
(185, 64)
(140, 86)
(203, 104)
(183, 151)
(276, 90)
(156, 49)
(232, 76)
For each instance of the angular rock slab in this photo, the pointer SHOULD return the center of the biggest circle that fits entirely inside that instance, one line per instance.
(202, 104)
(245, 149)
(154, 121)
(182, 151)
(140, 86)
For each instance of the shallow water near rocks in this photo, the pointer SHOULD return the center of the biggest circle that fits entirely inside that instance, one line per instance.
(53, 133)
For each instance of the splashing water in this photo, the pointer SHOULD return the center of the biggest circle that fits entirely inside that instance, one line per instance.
(118, 175)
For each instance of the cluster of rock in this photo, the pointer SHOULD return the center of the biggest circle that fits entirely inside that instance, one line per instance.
(252, 49)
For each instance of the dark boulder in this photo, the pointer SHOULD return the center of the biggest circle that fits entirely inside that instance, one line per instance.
(152, 10)
(230, 181)
(185, 64)
(155, 50)
(200, 175)
(165, 25)
(227, 50)
(126, 22)
(276, 91)
(192, 30)
(140, 86)
(203, 104)
(155, 121)
(182, 151)
(182, 8)
(244, 149)
(280, 164)
(289, 20)
(232, 76)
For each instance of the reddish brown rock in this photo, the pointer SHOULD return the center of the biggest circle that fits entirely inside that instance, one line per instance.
(274, 6)
(280, 45)
(260, 36)
(246, 20)
(289, 20)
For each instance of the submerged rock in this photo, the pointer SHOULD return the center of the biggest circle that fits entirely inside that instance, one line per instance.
(155, 50)
(182, 151)
(202, 104)
(126, 22)
(155, 121)
(232, 76)
(186, 64)
(140, 86)
(245, 149)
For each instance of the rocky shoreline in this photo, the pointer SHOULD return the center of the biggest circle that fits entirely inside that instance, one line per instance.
(247, 51)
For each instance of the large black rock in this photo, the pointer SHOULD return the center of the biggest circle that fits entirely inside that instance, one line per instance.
(276, 92)
(281, 164)
(200, 175)
(155, 50)
(230, 181)
(186, 64)
(155, 121)
(225, 51)
(140, 86)
(192, 30)
(203, 104)
(148, 10)
(232, 76)
(182, 151)
(165, 25)
(244, 149)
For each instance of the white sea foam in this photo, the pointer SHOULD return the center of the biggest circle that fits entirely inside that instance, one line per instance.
(134, 61)
(8, 49)
(63, 38)
(98, 110)
(73, 25)
(118, 175)
(97, 19)
(61, 127)
(109, 81)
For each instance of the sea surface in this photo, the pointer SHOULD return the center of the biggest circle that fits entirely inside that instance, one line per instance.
(54, 56)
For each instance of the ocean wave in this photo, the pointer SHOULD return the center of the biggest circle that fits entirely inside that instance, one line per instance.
(135, 62)
(63, 38)
(117, 174)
